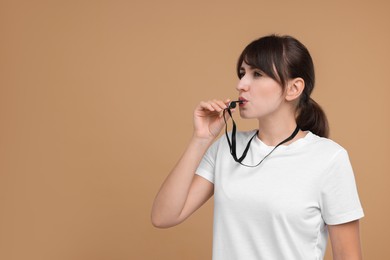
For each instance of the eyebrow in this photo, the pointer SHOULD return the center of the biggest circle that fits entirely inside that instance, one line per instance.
(251, 68)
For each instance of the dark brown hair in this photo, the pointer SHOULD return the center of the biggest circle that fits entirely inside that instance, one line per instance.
(284, 58)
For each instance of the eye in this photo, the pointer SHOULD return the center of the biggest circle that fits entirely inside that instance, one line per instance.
(257, 74)
(241, 74)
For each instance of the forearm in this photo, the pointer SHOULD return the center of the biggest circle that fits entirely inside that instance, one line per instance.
(173, 193)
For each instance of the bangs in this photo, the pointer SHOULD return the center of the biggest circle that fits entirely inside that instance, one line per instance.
(265, 54)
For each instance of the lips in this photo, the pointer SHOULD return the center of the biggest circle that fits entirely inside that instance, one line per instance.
(243, 101)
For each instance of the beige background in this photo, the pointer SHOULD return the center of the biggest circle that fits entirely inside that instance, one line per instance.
(96, 101)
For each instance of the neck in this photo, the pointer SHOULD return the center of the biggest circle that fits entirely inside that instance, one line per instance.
(273, 131)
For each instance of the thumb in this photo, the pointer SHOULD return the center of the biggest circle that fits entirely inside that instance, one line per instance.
(226, 113)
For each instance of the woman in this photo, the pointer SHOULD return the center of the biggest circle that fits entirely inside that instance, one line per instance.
(281, 199)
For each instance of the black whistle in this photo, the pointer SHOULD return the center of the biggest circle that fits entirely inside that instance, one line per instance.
(233, 104)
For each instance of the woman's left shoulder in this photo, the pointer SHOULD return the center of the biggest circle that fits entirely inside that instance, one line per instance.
(325, 145)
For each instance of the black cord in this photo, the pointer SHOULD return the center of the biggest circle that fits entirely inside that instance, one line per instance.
(232, 143)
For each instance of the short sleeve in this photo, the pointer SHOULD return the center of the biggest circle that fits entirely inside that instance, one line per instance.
(206, 168)
(339, 199)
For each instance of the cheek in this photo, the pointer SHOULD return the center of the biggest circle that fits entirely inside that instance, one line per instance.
(268, 95)
(267, 99)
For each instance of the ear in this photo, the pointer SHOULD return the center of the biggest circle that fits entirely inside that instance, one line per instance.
(294, 89)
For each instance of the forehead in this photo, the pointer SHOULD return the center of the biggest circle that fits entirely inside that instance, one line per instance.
(245, 66)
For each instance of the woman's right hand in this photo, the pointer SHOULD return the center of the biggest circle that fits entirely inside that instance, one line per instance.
(208, 118)
(183, 191)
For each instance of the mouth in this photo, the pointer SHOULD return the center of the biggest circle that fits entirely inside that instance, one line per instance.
(243, 101)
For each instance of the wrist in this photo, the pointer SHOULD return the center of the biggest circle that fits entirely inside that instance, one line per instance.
(201, 140)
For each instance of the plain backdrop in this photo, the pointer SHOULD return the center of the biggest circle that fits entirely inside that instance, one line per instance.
(96, 102)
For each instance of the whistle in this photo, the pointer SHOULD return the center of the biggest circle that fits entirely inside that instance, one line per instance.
(233, 104)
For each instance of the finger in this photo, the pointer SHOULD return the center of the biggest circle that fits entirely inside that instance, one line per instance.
(227, 115)
(227, 102)
(206, 106)
(222, 104)
(217, 105)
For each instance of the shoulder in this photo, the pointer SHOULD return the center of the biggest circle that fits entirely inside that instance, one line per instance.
(324, 143)
(325, 148)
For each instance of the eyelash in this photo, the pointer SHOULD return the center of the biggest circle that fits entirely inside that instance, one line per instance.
(256, 74)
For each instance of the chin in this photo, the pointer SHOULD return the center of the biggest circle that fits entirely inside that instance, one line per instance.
(244, 115)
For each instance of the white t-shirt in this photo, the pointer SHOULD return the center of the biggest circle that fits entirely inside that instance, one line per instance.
(280, 209)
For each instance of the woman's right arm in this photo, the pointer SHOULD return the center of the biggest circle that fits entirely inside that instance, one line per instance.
(183, 192)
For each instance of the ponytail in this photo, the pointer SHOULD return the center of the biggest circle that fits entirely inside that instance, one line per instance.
(311, 117)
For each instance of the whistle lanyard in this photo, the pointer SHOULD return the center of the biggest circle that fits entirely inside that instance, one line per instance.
(232, 143)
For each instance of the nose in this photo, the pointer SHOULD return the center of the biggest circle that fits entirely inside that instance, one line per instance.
(243, 84)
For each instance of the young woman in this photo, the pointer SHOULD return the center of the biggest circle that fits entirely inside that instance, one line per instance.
(280, 197)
